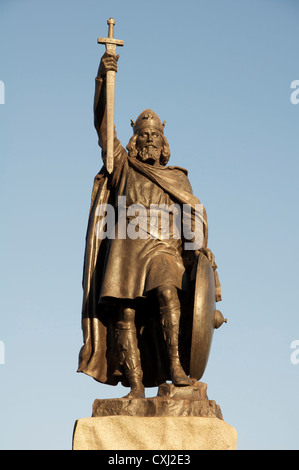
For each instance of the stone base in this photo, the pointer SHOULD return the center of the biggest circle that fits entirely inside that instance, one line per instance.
(153, 433)
(170, 401)
(178, 418)
(155, 407)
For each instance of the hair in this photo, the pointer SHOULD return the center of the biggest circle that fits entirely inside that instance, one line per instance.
(165, 153)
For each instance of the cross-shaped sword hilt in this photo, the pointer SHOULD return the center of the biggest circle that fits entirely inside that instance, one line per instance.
(110, 42)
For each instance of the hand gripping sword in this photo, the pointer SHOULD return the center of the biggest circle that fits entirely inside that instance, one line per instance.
(111, 44)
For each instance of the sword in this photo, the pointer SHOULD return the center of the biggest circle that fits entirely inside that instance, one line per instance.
(111, 44)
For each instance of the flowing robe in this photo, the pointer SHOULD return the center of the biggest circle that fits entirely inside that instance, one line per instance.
(118, 270)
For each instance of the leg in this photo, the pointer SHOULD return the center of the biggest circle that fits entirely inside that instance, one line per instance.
(129, 355)
(170, 310)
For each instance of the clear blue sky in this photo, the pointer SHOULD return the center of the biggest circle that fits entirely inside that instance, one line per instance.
(219, 73)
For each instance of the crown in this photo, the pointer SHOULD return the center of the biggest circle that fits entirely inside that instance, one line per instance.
(148, 119)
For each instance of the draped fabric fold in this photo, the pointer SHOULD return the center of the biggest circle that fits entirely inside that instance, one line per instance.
(97, 356)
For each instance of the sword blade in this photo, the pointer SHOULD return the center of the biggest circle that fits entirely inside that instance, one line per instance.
(110, 89)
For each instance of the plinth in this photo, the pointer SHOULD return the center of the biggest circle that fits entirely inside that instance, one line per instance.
(178, 418)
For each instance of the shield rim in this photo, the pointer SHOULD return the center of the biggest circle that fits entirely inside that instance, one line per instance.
(203, 317)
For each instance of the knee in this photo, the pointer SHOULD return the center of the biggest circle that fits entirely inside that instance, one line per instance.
(166, 295)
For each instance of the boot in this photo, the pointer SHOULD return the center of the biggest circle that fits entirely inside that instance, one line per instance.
(129, 358)
(170, 320)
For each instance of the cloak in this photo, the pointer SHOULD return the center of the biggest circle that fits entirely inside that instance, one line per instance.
(98, 355)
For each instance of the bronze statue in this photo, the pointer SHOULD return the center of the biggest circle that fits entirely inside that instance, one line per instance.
(140, 290)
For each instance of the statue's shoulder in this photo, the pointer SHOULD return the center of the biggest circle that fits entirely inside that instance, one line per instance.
(178, 168)
(181, 177)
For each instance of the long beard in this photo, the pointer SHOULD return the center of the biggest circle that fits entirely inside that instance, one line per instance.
(149, 154)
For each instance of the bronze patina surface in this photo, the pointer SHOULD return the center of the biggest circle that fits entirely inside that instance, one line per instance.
(148, 311)
(170, 401)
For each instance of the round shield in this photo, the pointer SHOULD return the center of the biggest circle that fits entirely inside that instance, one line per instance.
(203, 317)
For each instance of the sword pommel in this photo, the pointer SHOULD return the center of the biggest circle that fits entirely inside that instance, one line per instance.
(111, 23)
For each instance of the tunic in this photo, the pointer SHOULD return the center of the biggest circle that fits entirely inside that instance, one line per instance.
(134, 267)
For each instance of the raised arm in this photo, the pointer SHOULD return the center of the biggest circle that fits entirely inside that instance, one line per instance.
(108, 62)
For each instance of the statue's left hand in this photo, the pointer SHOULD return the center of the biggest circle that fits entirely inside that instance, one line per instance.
(207, 252)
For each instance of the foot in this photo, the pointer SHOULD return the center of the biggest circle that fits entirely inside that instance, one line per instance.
(136, 392)
(179, 378)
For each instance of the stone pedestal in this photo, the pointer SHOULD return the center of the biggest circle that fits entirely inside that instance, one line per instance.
(158, 433)
(177, 419)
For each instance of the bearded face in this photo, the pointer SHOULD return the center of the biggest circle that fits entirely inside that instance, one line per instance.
(149, 146)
